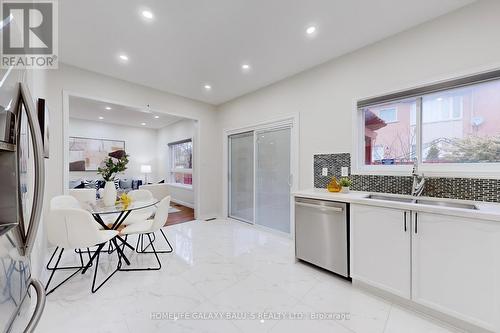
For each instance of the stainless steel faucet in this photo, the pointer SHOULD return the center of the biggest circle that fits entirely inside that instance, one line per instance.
(418, 181)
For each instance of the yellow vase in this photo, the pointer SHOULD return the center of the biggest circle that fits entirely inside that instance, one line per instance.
(333, 185)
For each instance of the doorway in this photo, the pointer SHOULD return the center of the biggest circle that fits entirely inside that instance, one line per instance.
(149, 137)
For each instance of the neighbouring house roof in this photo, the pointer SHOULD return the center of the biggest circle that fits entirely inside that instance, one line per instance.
(373, 122)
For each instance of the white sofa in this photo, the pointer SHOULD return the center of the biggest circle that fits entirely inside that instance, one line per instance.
(83, 195)
(159, 191)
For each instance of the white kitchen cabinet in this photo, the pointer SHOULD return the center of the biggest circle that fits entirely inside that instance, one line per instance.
(456, 267)
(380, 248)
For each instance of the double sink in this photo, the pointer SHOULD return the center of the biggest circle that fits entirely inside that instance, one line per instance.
(422, 201)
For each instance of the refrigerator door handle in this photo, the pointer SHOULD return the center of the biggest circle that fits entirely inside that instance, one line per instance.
(40, 305)
(36, 133)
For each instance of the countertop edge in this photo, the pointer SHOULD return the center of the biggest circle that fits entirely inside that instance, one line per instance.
(486, 211)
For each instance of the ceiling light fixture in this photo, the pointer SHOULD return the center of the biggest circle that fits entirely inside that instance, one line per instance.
(147, 14)
(207, 87)
(108, 108)
(156, 117)
(311, 30)
(101, 118)
(143, 124)
(245, 67)
(123, 57)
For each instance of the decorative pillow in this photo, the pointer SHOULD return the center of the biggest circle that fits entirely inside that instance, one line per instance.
(81, 185)
(90, 183)
(125, 184)
(74, 183)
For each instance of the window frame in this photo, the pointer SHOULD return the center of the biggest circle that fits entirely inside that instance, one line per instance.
(469, 170)
(172, 170)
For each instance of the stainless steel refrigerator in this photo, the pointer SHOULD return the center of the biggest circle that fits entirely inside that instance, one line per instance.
(21, 194)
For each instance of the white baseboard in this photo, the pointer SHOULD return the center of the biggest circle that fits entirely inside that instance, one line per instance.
(180, 202)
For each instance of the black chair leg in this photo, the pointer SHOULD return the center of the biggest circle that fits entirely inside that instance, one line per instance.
(143, 249)
(139, 239)
(147, 268)
(65, 267)
(94, 289)
(56, 268)
(97, 251)
(168, 243)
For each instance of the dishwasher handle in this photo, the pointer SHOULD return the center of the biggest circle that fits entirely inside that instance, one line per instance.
(328, 208)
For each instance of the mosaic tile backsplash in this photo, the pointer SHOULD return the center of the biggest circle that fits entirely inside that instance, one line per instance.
(453, 188)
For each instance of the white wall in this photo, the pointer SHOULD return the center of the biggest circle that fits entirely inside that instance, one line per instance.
(140, 145)
(181, 130)
(459, 43)
(89, 84)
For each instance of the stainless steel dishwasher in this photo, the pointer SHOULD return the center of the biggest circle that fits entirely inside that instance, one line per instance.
(322, 234)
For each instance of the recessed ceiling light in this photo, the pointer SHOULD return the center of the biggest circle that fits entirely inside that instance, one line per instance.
(311, 30)
(108, 108)
(156, 117)
(143, 124)
(245, 67)
(123, 57)
(147, 14)
(101, 118)
(207, 87)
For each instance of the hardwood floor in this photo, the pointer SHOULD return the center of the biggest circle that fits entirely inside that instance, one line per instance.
(186, 214)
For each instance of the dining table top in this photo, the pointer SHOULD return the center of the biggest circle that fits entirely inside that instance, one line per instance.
(98, 207)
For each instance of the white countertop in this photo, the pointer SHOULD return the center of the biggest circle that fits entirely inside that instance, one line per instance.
(485, 211)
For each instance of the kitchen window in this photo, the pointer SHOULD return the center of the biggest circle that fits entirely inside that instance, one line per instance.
(389, 141)
(389, 115)
(451, 128)
(181, 162)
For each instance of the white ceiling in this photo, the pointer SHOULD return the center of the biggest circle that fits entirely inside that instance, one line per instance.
(88, 109)
(191, 43)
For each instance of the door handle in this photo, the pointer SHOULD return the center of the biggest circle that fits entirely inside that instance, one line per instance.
(36, 212)
(333, 209)
(405, 228)
(40, 305)
(416, 223)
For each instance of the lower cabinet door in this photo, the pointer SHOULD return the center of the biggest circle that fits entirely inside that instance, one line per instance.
(380, 248)
(456, 267)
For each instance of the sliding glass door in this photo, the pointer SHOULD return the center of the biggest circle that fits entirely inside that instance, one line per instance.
(272, 179)
(260, 177)
(241, 176)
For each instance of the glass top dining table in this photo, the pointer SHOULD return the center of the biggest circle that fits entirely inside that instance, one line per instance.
(100, 208)
(121, 211)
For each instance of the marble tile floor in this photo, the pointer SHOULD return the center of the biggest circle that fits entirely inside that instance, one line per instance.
(224, 268)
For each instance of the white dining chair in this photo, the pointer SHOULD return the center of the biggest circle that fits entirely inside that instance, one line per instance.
(148, 228)
(59, 202)
(140, 214)
(75, 228)
(64, 201)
